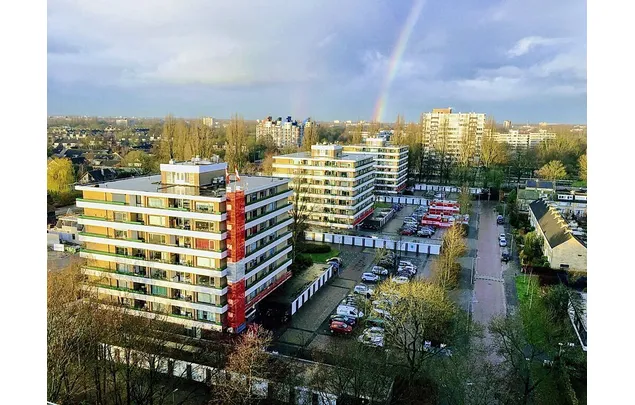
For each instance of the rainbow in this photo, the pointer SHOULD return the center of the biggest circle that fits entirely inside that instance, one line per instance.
(397, 53)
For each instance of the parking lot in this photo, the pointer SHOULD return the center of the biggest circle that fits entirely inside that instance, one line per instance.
(309, 327)
(393, 227)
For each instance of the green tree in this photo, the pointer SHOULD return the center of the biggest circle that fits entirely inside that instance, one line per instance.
(141, 160)
(553, 171)
(59, 175)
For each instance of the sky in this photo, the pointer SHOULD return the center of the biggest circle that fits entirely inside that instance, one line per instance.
(518, 60)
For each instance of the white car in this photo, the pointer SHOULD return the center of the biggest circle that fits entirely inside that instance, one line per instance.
(370, 277)
(501, 236)
(502, 242)
(382, 313)
(380, 271)
(372, 336)
(406, 263)
(400, 280)
(363, 289)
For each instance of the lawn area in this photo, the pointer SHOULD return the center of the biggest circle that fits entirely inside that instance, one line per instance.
(523, 282)
(383, 205)
(321, 258)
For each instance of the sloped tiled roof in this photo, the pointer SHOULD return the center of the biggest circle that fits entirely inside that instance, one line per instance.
(555, 232)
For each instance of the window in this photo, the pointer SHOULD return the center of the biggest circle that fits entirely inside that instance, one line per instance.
(155, 220)
(121, 216)
(205, 207)
(202, 226)
(205, 262)
(120, 250)
(156, 202)
(162, 291)
(204, 244)
(120, 234)
(204, 297)
(156, 238)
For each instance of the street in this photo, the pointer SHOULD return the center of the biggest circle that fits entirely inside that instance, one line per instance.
(489, 287)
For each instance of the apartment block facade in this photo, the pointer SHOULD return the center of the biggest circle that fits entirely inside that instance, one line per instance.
(283, 133)
(446, 133)
(186, 247)
(523, 139)
(335, 189)
(391, 163)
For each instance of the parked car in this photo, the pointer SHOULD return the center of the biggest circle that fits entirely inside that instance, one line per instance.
(400, 279)
(363, 289)
(370, 277)
(349, 311)
(505, 256)
(343, 328)
(500, 220)
(501, 236)
(343, 318)
(502, 242)
(377, 322)
(424, 233)
(373, 336)
(381, 313)
(408, 231)
(380, 271)
(406, 271)
(349, 300)
(335, 259)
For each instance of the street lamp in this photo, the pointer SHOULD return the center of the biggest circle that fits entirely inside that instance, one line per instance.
(474, 261)
(175, 390)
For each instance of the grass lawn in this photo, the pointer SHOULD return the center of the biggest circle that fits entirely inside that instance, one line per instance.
(526, 286)
(382, 205)
(321, 258)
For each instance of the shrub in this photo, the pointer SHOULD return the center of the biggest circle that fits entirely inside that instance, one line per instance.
(301, 263)
(315, 248)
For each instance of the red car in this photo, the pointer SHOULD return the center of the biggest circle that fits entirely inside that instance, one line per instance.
(341, 327)
(408, 231)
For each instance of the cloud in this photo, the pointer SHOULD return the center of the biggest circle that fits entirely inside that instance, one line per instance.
(526, 44)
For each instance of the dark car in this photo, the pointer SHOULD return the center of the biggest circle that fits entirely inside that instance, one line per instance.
(343, 318)
(505, 256)
(408, 231)
(500, 220)
(340, 328)
(376, 322)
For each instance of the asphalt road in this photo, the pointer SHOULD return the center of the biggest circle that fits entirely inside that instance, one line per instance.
(489, 287)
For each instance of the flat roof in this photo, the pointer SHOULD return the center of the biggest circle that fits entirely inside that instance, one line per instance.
(291, 289)
(307, 155)
(152, 184)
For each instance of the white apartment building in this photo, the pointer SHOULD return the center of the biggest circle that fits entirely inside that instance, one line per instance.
(283, 133)
(209, 121)
(184, 247)
(391, 163)
(335, 188)
(524, 139)
(445, 131)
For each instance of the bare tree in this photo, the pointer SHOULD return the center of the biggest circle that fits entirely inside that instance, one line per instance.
(246, 367)
(301, 210)
(357, 134)
(446, 268)
(236, 144)
(310, 136)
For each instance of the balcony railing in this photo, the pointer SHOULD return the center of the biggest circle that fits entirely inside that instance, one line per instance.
(154, 277)
(101, 201)
(267, 197)
(131, 290)
(263, 275)
(98, 235)
(247, 220)
(174, 262)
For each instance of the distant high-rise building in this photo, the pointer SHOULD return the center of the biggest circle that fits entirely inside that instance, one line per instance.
(524, 139)
(444, 132)
(283, 133)
(121, 122)
(507, 124)
(209, 121)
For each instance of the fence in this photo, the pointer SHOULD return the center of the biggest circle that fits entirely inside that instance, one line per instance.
(312, 289)
(375, 243)
(451, 189)
(399, 199)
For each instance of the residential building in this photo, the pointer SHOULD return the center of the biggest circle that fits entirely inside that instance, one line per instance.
(67, 228)
(444, 132)
(564, 244)
(531, 191)
(391, 163)
(572, 202)
(524, 139)
(185, 247)
(507, 124)
(335, 189)
(283, 133)
(209, 121)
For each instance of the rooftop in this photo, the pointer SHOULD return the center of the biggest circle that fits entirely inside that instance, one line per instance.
(344, 156)
(290, 290)
(554, 226)
(152, 184)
